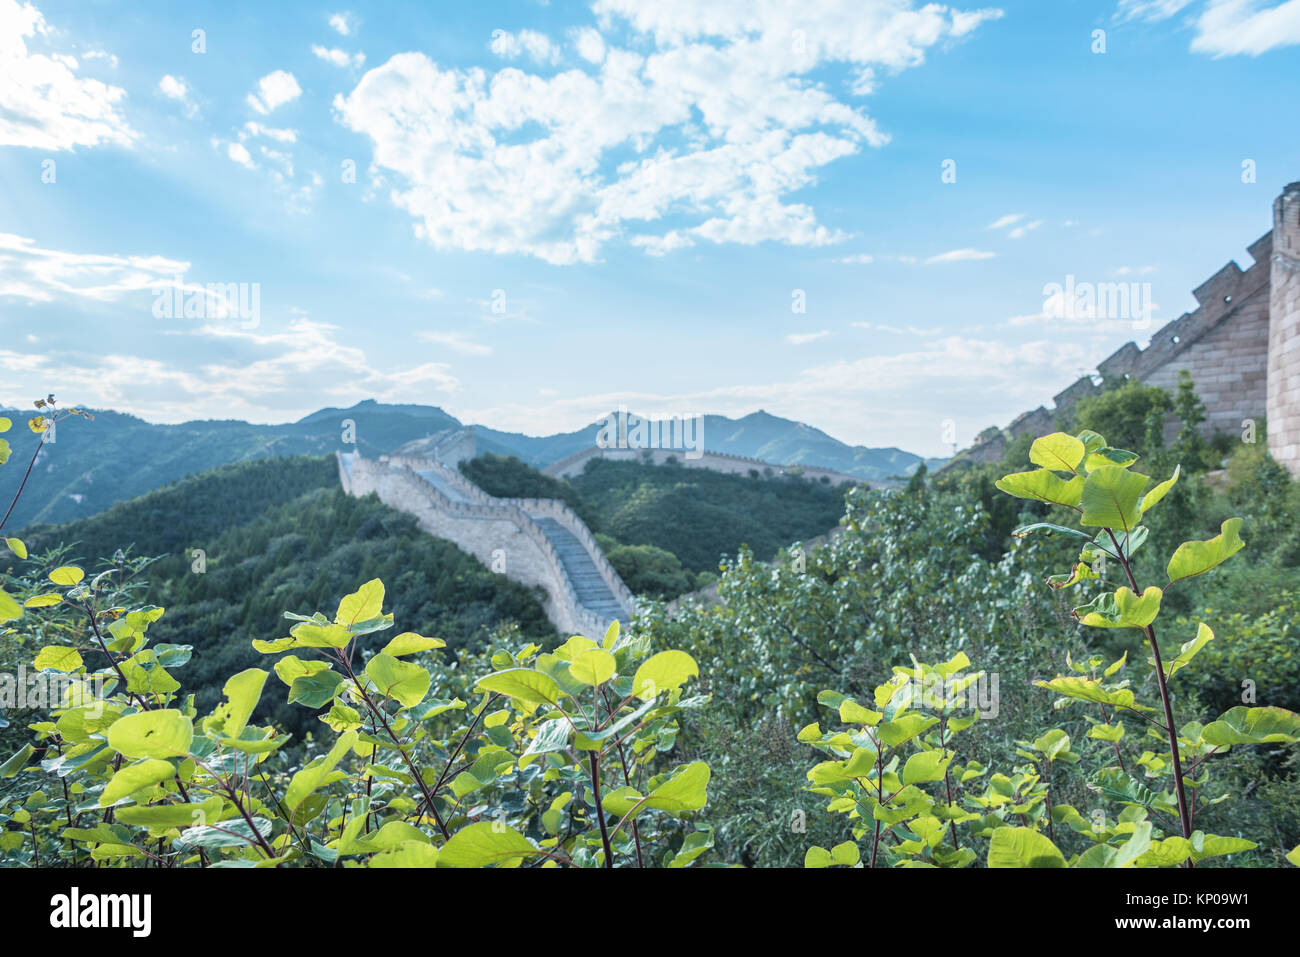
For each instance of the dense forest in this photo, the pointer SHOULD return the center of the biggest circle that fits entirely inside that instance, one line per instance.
(432, 719)
(665, 527)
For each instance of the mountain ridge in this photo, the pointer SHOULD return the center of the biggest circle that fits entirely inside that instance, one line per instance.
(117, 456)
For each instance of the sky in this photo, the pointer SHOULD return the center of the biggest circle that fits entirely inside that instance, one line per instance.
(857, 214)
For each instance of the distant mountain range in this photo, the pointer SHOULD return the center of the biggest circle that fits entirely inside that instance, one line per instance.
(94, 464)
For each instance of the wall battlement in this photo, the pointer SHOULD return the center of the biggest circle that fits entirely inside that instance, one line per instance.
(1241, 346)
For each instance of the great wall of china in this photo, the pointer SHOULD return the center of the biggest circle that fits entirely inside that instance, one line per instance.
(536, 542)
(1241, 347)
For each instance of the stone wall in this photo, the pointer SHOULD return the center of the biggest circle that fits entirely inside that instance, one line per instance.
(1284, 333)
(492, 532)
(714, 461)
(1241, 346)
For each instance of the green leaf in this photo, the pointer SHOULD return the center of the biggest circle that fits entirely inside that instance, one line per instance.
(1024, 530)
(1111, 496)
(1053, 744)
(16, 761)
(1160, 491)
(5, 424)
(17, 547)
(927, 766)
(67, 576)
(551, 735)
(290, 668)
(1057, 451)
(307, 781)
(409, 643)
(666, 671)
(408, 683)
(1043, 485)
(9, 609)
(362, 605)
(315, 689)
(308, 634)
(593, 667)
(5, 451)
(1123, 609)
(1089, 689)
(42, 601)
(523, 684)
(165, 733)
(904, 728)
(1107, 456)
(1189, 650)
(58, 658)
(1023, 847)
(1212, 845)
(171, 815)
(685, 791)
(1241, 725)
(243, 691)
(132, 777)
(1104, 855)
(1294, 856)
(485, 844)
(1197, 558)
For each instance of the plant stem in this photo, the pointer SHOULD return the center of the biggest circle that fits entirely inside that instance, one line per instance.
(23, 484)
(600, 811)
(1183, 817)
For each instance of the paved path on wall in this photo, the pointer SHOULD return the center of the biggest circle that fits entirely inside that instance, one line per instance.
(590, 587)
(443, 486)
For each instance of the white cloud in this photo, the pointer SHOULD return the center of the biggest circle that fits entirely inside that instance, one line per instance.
(339, 58)
(239, 154)
(456, 342)
(252, 128)
(36, 274)
(536, 45)
(1024, 229)
(960, 256)
(800, 338)
(975, 382)
(274, 90)
(857, 259)
(1003, 222)
(707, 116)
(1149, 10)
(256, 375)
(1228, 27)
(101, 55)
(590, 44)
(44, 104)
(343, 23)
(175, 88)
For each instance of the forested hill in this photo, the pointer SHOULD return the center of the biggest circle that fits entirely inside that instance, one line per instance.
(666, 527)
(279, 534)
(114, 457)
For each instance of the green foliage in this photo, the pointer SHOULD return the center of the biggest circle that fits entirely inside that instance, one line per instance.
(700, 515)
(1123, 411)
(509, 477)
(561, 760)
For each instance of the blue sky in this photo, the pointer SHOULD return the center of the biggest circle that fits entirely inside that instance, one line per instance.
(559, 208)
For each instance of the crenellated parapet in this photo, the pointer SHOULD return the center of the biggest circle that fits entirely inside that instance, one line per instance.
(1238, 345)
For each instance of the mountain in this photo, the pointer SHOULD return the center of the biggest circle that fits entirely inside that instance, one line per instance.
(94, 464)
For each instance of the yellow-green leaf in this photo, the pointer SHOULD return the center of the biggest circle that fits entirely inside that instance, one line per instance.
(593, 667)
(666, 671)
(67, 576)
(1057, 451)
(17, 547)
(408, 643)
(58, 658)
(1197, 558)
(1043, 485)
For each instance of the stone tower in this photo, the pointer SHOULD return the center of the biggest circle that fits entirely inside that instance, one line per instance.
(1284, 332)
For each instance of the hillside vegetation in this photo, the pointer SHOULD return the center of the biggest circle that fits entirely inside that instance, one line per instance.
(666, 527)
